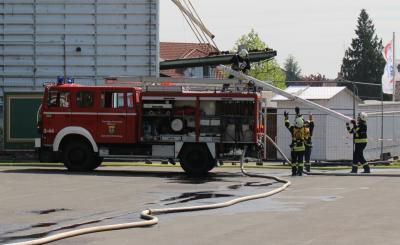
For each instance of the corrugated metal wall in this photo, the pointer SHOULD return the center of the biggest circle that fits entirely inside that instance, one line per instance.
(86, 39)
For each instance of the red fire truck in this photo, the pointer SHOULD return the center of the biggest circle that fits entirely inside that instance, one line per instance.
(81, 125)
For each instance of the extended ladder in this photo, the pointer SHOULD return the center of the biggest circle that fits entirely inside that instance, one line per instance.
(170, 84)
(269, 86)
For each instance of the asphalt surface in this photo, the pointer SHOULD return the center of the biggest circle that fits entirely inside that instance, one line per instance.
(36, 202)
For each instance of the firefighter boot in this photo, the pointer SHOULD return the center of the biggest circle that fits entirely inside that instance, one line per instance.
(294, 170)
(308, 167)
(367, 170)
(354, 170)
(300, 171)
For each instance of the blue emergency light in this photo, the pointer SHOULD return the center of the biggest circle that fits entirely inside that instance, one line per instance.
(70, 80)
(60, 80)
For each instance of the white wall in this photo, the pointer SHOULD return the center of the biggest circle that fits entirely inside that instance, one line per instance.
(39, 38)
(391, 130)
(331, 140)
(339, 143)
(319, 139)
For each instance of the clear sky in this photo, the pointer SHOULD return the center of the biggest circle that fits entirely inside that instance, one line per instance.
(315, 32)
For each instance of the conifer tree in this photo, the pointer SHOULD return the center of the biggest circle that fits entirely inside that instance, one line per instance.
(363, 61)
(292, 69)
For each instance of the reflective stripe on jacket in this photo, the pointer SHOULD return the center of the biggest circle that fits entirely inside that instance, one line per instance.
(359, 132)
(297, 137)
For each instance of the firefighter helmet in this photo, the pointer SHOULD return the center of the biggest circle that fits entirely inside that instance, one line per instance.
(363, 116)
(243, 53)
(299, 122)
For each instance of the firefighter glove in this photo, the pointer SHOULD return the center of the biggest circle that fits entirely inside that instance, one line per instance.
(286, 114)
(353, 121)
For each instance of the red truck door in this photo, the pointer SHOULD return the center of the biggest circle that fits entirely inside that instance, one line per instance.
(84, 112)
(111, 127)
(132, 116)
(57, 113)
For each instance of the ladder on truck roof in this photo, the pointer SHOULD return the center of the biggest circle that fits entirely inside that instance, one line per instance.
(169, 84)
(269, 86)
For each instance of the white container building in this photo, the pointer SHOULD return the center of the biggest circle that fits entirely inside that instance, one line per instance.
(331, 141)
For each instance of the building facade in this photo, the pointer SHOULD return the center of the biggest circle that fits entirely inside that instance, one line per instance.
(85, 39)
(182, 51)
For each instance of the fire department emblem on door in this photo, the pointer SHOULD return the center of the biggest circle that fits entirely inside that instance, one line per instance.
(111, 129)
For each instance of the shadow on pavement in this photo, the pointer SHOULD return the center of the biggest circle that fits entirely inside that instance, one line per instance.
(173, 176)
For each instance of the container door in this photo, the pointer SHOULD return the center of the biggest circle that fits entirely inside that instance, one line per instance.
(111, 127)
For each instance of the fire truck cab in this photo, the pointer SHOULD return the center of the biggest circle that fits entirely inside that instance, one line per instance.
(81, 125)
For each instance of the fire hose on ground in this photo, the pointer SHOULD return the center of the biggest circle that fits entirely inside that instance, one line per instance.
(327, 174)
(149, 218)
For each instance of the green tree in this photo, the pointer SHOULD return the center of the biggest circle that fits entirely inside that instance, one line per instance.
(265, 70)
(363, 61)
(292, 69)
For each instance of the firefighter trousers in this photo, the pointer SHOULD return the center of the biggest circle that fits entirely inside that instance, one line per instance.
(297, 162)
(307, 154)
(297, 158)
(358, 155)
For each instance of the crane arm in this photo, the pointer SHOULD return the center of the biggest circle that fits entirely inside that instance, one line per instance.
(266, 85)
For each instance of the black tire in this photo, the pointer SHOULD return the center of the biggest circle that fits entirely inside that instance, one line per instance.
(97, 162)
(196, 160)
(78, 156)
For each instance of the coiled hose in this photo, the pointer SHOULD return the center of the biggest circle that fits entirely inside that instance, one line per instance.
(149, 218)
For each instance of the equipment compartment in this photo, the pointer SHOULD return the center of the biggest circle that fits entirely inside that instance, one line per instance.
(228, 120)
(168, 120)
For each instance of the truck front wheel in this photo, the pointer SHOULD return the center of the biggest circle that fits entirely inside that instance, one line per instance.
(196, 159)
(78, 156)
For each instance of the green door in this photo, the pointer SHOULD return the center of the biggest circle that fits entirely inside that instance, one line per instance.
(20, 113)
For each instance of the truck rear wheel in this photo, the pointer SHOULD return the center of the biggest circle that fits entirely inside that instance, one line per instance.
(196, 160)
(79, 156)
(97, 162)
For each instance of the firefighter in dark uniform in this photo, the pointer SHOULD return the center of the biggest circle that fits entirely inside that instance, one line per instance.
(297, 146)
(360, 140)
(308, 133)
(240, 61)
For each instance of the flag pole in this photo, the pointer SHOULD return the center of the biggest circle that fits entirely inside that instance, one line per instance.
(394, 67)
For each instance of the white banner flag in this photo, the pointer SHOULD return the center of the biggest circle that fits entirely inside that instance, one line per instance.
(389, 72)
(397, 71)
